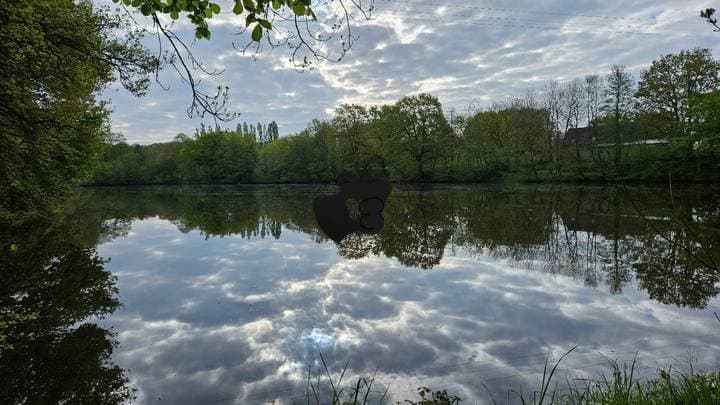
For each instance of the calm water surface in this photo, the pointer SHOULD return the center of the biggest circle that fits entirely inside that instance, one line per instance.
(229, 294)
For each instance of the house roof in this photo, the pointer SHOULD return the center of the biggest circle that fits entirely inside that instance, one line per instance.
(579, 136)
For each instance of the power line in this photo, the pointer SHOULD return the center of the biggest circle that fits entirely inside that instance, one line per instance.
(436, 15)
(563, 27)
(605, 18)
(562, 30)
(537, 24)
(515, 10)
(405, 12)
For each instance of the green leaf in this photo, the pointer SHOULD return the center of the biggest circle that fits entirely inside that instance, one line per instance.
(298, 9)
(208, 13)
(215, 8)
(145, 9)
(198, 34)
(174, 15)
(265, 23)
(276, 4)
(238, 9)
(257, 33)
(249, 5)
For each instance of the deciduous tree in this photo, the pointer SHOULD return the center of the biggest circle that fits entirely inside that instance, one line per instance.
(671, 81)
(424, 133)
(55, 57)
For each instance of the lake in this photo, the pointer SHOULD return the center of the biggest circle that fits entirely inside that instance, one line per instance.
(232, 294)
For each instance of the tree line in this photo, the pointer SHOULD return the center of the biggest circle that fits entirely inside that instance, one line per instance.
(598, 128)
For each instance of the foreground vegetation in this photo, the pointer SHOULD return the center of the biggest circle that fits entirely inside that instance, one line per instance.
(618, 385)
(621, 388)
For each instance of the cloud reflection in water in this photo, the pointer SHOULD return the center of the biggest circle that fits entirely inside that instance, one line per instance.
(239, 318)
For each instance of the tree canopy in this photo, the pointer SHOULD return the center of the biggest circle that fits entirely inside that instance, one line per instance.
(671, 81)
(56, 56)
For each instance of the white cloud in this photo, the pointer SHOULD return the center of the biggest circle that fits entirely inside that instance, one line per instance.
(459, 52)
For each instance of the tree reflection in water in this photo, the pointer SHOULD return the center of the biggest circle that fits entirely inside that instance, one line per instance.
(53, 284)
(51, 287)
(600, 235)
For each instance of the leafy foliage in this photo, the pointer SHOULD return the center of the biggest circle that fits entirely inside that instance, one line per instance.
(709, 15)
(56, 56)
(211, 157)
(296, 159)
(217, 157)
(430, 397)
(673, 80)
(198, 12)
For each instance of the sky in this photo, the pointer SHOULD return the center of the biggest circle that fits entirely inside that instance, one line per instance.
(468, 54)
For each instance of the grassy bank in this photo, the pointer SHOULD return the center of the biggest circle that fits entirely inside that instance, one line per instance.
(617, 385)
